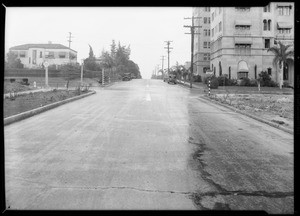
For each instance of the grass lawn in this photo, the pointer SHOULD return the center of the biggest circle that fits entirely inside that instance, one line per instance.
(26, 102)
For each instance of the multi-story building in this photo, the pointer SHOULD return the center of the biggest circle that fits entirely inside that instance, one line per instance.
(241, 36)
(201, 40)
(34, 55)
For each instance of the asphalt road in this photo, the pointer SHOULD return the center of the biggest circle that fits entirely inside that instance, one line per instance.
(144, 144)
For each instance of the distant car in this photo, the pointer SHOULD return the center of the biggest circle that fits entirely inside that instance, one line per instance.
(172, 79)
(126, 78)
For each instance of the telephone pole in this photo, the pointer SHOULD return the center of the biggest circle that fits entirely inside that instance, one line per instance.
(168, 47)
(70, 36)
(192, 28)
(162, 66)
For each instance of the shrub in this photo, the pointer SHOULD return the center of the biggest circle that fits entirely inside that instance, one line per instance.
(245, 82)
(232, 82)
(222, 79)
(265, 80)
(214, 83)
(253, 82)
(197, 78)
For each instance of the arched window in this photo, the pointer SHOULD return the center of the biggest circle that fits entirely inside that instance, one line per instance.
(269, 25)
(265, 25)
(229, 72)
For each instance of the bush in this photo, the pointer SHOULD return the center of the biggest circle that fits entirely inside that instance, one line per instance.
(245, 81)
(214, 83)
(253, 82)
(265, 80)
(197, 78)
(232, 82)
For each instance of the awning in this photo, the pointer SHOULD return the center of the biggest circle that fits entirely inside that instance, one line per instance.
(284, 5)
(243, 22)
(243, 67)
(284, 25)
(243, 40)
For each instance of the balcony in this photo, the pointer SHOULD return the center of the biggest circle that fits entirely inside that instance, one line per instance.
(284, 37)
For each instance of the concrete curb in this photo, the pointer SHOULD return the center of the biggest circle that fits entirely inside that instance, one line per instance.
(188, 85)
(36, 111)
(249, 115)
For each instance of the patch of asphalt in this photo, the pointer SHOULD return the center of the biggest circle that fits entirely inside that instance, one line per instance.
(29, 113)
(249, 115)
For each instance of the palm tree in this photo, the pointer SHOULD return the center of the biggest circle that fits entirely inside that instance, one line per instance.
(283, 55)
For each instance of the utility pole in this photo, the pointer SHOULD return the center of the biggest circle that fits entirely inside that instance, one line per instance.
(70, 36)
(192, 27)
(168, 47)
(162, 66)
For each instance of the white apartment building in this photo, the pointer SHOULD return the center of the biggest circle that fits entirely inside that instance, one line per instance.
(201, 40)
(241, 36)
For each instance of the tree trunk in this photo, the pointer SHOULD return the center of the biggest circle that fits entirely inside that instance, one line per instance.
(281, 75)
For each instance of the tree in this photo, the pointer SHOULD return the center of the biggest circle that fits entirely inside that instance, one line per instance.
(283, 55)
(13, 61)
(90, 62)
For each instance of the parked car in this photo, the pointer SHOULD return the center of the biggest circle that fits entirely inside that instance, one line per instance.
(172, 79)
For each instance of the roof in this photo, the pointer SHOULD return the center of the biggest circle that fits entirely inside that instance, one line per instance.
(45, 46)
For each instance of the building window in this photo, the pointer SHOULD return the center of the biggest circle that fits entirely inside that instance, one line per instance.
(205, 20)
(220, 26)
(204, 44)
(208, 44)
(208, 32)
(212, 16)
(265, 25)
(241, 75)
(269, 25)
(212, 32)
(29, 60)
(41, 54)
(267, 8)
(267, 43)
(62, 54)
(208, 19)
(243, 49)
(284, 30)
(284, 10)
(205, 32)
(72, 56)
(205, 57)
(270, 71)
(22, 54)
(49, 54)
(242, 9)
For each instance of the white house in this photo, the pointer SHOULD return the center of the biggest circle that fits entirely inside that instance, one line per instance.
(33, 55)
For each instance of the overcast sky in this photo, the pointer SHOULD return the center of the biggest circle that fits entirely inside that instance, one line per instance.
(143, 28)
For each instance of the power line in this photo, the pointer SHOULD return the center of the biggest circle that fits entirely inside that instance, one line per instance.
(192, 28)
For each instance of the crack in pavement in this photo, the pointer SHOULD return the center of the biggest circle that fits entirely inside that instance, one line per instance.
(274, 194)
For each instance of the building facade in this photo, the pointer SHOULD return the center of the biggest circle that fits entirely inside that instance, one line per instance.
(201, 40)
(34, 55)
(241, 36)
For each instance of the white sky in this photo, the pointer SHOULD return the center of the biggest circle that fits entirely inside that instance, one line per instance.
(143, 28)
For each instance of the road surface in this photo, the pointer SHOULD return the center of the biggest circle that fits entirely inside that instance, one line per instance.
(145, 144)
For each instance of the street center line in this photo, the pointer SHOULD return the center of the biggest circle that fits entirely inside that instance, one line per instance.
(148, 97)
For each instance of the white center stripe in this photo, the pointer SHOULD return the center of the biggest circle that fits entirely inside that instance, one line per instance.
(148, 98)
